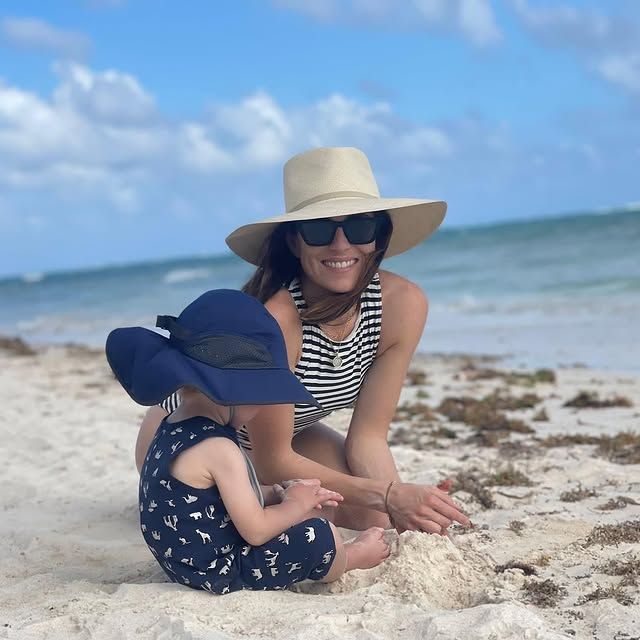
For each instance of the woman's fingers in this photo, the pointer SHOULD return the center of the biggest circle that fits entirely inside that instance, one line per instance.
(412, 506)
(449, 512)
(427, 526)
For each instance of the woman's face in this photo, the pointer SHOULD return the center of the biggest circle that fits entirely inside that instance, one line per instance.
(335, 267)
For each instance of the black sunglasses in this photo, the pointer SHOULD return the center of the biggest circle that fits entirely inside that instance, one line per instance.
(357, 229)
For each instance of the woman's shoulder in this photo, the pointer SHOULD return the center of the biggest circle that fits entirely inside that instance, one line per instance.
(398, 290)
(282, 307)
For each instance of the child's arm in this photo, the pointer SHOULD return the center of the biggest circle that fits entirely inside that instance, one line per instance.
(256, 525)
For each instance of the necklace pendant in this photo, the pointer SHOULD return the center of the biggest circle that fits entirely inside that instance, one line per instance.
(337, 361)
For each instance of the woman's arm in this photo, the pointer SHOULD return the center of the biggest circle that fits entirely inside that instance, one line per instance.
(414, 507)
(271, 432)
(404, 316)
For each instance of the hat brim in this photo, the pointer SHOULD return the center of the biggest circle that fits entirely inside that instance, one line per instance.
(413, 222)
(150, 369)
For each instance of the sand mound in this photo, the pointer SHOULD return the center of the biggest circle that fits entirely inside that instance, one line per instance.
(426, 570)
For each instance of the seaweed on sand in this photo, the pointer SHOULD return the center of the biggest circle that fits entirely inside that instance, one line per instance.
(473, 485)
(575, 495)
(590, 400)
(525, 567)
(16, 346)
(543, 593)
(510, 377)
(612, 591)
(481, 414)
(614, 534)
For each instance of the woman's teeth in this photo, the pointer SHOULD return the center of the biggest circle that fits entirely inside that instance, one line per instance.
(343, 264)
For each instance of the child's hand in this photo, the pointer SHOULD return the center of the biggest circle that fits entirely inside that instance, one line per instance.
(310, 494)
(279, 489)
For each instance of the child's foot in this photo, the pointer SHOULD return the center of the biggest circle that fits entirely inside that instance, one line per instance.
(367, 550)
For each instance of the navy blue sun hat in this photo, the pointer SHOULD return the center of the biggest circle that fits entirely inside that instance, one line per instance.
(225, 344)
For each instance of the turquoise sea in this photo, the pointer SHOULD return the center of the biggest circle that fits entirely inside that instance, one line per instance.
(544, 292)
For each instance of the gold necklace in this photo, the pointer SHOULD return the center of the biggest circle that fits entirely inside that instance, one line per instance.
(337, 358)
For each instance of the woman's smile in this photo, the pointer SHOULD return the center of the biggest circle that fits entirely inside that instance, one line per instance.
(340, 264)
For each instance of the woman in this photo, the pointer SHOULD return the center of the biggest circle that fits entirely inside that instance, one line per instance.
(350, 331)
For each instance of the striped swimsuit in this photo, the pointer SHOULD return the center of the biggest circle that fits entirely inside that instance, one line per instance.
(333, 387)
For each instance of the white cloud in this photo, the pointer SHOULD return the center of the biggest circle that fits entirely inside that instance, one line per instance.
(107, 97)
(609, 45)
(76, 156)
(98, 144)
(477, 21)
(473, 19)
(257, 127)
(34, 34)
(622, 70)
(200, 153)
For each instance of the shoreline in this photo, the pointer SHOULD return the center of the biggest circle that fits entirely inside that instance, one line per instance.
(19, 345)
(553, 491)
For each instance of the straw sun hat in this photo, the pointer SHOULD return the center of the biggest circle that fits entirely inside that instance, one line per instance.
(338, 181)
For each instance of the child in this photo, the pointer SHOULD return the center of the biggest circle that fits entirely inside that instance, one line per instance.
(202, 511)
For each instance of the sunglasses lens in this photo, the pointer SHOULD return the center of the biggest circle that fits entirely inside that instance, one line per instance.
(317, 233)
(360, 230)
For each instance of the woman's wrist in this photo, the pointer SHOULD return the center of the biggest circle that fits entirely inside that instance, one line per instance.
(386, 503)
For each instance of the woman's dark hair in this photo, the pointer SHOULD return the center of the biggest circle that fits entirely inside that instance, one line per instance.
(278, 267)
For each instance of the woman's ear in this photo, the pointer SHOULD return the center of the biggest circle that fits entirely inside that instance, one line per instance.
(292, 243)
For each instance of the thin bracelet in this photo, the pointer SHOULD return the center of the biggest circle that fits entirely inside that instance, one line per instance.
(386, 504)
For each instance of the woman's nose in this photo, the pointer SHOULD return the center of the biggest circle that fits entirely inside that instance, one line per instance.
(340, 240)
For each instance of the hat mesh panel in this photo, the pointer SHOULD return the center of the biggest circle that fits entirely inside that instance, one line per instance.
(229, 352)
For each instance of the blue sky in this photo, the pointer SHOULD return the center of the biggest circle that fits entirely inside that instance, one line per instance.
(133, 130)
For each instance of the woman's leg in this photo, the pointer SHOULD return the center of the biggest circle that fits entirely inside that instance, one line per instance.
(326, 446)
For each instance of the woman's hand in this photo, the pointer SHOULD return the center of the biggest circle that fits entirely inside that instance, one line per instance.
(309, 494)
(416, 507)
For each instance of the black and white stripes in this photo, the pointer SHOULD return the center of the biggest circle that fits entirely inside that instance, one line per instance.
(334, 388)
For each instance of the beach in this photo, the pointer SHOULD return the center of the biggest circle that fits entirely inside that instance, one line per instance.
(545, 462)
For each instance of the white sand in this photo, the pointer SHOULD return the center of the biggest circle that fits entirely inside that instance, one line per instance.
(76, 565)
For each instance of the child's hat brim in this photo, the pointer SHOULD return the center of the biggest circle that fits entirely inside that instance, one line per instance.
(150, 369)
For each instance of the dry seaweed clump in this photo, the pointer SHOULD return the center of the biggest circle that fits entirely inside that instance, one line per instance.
(416, 378)
(566, 440)
(472, 484)
(614, 534)
(517, 526)
(415, 410)
(612, 591)
(575, 495)
(623, 448)
(508, 477)
(541, 416)
(481, 414)
(542, 560)
(526, 568)
(628, 569)
(545, 593)
(528, 379)
(504, 401)
(444, 432)
(16, 346)
(616, 503)
(590, 400)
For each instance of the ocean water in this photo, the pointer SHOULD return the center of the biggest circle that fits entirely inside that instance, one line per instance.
(546, 292)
